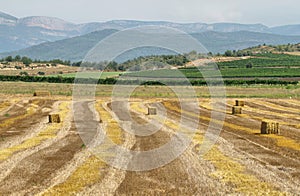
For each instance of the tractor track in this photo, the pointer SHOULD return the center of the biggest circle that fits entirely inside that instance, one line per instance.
(264, 150)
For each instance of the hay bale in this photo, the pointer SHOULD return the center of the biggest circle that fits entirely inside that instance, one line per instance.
(152, 111)
(239, 103)
(54, 118)
(41, 93)
(236, 110)
(269, 127)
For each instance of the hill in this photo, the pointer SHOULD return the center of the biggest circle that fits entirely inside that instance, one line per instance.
(286, 30)
(283, 48)
(220, 42)
(75, 49)
(20, 33)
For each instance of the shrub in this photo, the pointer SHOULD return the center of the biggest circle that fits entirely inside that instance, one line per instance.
(41, 73)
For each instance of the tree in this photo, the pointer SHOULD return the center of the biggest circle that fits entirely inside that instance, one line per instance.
(239, 53)
(249, 64)
(228, 53)
(249, 53)
(112, 66)
(18, 58)
(193, 55)
(77, 64)
(9, 59)
(23, 73)
(26, 61)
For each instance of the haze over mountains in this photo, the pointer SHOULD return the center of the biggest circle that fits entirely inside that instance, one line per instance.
(58, 38)
(76, 48)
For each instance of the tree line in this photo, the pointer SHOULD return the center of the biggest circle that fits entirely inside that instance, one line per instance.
(137, 64)
(112, 81)
(27, 61)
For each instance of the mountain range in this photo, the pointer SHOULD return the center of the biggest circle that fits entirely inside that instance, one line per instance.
(75, 49)
(31, 35)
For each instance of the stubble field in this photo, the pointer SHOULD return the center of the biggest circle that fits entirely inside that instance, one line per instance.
(37, 157)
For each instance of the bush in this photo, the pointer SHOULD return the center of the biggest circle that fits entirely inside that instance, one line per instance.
(249, 65)
(41, 73)
(23, 73)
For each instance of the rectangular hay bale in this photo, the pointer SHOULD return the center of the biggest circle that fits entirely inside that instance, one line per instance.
(54, 118)
(152, 111)
(270, 127)
(41, 93)
(236, 110)
(239, 103)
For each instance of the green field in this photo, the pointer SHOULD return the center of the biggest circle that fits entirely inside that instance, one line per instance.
(89, 75)
(226, 73)
(263, 65)
(265, 60)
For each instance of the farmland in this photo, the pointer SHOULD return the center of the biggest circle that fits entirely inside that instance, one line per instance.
(71, 157)
(253, 91)
(89, 75)
(262, 66)
(37, 157)
(265, 60)
(142, 98)
(194, 73)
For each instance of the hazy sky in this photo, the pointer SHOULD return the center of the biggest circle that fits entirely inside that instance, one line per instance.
(269, 12)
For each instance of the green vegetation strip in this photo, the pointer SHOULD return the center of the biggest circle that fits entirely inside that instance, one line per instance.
(143, 81)
(225, 73)
(265, 60)
(104, 75)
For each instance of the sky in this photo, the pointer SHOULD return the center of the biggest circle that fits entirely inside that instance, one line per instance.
(268, 12)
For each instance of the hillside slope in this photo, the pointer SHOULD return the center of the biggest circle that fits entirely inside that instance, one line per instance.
(75, 49)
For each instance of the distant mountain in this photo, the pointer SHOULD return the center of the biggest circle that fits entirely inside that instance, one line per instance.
(16, 34)
(286, 30)
(6, 19)
(186, 27)
(73, 49)
(76, 48)
(220, 42)
(49, 23)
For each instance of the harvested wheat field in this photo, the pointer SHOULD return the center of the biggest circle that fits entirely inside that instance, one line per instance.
(42, 158)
